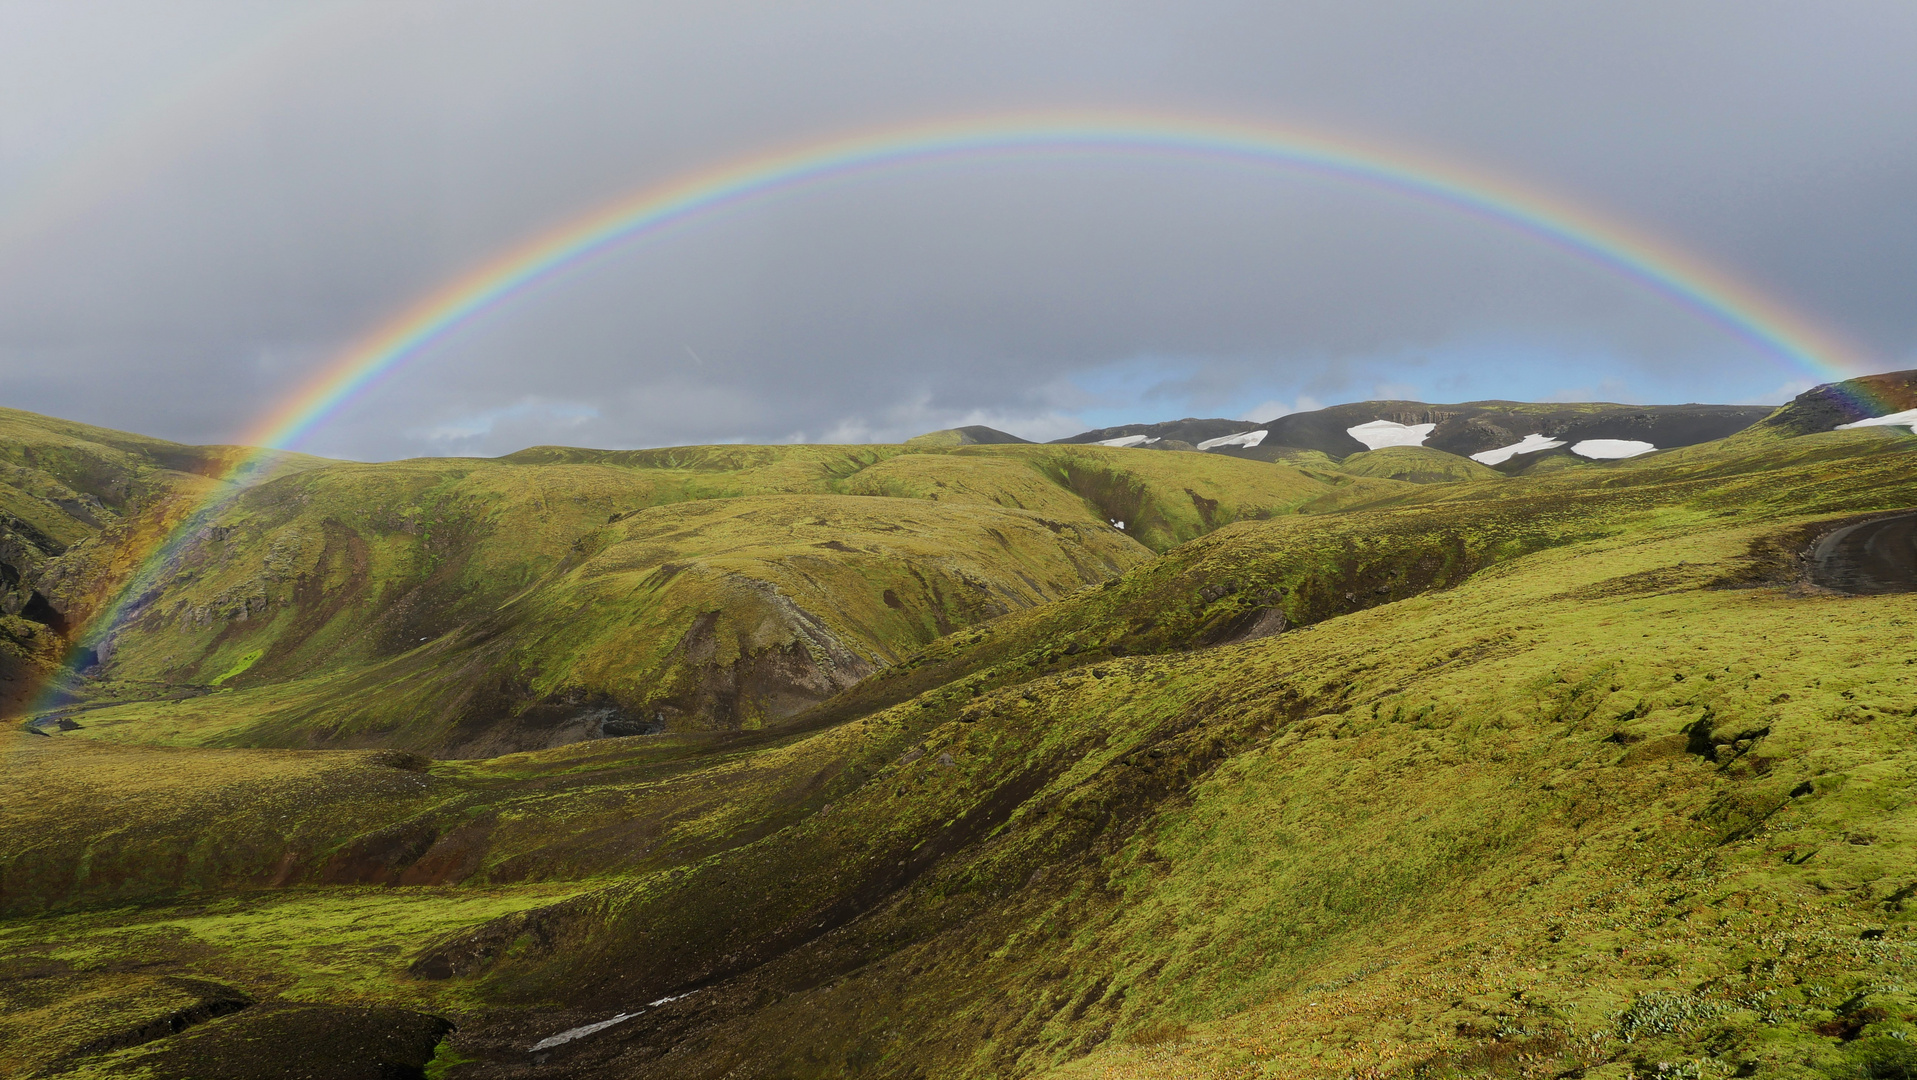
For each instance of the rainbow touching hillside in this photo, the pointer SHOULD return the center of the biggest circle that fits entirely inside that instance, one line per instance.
(1031, 542)
(1798, 345)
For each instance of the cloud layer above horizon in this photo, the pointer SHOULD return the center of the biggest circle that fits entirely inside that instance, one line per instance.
(201, 203)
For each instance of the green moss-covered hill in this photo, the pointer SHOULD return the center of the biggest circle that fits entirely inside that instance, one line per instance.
(1579, 774)
(469, 607)
(63, 487)
(1415, 464)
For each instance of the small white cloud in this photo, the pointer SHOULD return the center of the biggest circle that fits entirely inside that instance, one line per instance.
(1607, 390)
(563, 414)
(919, 415)
(1275, 408)
(1784, 393)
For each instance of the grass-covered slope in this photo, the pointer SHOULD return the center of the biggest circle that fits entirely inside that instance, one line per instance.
(713, 614)
(1565, 775)
(1512, 793)
(1417, 465)
(66, 487)
(471, 607)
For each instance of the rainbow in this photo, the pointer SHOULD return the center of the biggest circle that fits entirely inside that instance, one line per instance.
(1683, 279)
(1672, 273)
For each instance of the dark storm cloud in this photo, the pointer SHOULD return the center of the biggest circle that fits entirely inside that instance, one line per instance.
(203, 202)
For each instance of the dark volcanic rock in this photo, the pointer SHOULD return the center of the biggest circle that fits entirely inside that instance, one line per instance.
(1475, 426)
(1189, 430)
(1663, 426)
(1462, 429)
(284, 1041)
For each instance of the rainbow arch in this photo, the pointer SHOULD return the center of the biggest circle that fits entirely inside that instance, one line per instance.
(1685, 280)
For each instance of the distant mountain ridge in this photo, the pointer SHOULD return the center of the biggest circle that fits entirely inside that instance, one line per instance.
(1479, 426)
(1190, 430)
(1463, 429)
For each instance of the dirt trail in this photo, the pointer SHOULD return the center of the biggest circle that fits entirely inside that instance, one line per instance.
(1870, 557)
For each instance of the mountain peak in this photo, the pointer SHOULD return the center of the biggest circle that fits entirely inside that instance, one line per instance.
(969, 435)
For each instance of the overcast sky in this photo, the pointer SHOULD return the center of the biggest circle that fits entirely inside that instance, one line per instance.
(202, 203)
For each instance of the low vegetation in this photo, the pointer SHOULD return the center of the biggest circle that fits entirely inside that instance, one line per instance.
(886, 761)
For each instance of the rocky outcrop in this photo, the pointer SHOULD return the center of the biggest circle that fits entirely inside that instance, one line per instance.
(1822, 408)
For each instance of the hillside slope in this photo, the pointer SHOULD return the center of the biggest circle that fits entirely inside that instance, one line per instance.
(63, 487)
(471, 607)
(1579, 774)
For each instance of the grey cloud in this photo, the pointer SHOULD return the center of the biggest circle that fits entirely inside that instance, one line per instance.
(288, 201)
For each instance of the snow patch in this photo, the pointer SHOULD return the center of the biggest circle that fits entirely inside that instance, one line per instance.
(580, 1032)
(1530, 444)
(1128, 440)
(1907, 418)
(584, 1030)
(1243, 438)
(1382, 433)
(1606, 449)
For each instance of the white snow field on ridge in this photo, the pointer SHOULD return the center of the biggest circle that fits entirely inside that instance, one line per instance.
(1243, 438)
(1907, 418)
(1128, 440)
(1611, 449)
(1530, 444)
(1382, 433)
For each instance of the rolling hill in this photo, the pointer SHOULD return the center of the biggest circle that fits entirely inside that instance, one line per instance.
(909, 761)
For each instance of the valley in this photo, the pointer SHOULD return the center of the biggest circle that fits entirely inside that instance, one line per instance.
(974, 757)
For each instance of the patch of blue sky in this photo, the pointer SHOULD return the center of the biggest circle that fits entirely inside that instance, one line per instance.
(1146, 389)
(486, 421)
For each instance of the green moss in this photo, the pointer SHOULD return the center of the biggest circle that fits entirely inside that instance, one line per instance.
(239, 666)
(446, 1060)
(1554, 775)
(398, 580)
(1417, 465)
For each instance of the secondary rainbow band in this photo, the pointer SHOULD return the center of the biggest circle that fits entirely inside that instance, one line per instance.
(1668, 271)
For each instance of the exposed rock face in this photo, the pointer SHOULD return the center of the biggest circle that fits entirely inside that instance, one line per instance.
(768, 684)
